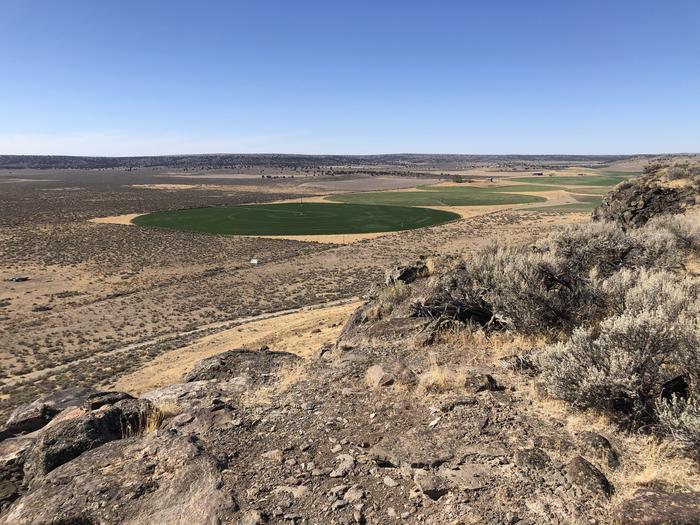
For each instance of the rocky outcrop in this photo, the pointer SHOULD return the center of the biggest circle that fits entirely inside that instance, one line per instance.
(160, 478)
(255, 366)
(632, 203)
(34, 415)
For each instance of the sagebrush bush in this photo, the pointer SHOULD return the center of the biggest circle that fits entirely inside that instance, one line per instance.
(684, 229)
(681, 419)
(607, 248)
(622, 363)
(635, 291)
(529, 291)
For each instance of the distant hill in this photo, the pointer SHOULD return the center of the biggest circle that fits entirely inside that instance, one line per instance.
(286, 161)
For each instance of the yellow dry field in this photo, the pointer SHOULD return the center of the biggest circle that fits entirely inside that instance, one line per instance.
(117, 219)
(301, 333)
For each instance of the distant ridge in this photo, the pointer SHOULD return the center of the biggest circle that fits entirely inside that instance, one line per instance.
(288, 160)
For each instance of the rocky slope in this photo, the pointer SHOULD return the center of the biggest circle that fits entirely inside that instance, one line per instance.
(428, 409)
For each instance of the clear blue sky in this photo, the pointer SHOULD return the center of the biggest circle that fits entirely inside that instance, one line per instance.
(522, 76)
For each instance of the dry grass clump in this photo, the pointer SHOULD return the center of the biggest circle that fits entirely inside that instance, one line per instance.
(394, 294)
(149, 420)
(439, 379)
(286, 378)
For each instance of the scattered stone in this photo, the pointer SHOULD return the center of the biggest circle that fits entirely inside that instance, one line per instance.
(390, 482)
(475, 383)
(376, 377)
(534, 458)
(345, 464)
(469, 476)
(354, 494)
(297, 491)
(416, 449)
(432, 486)
(275, 455)
(580, 472)
(252, 517)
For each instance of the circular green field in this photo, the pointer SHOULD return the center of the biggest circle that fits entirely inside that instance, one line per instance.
(296, 219)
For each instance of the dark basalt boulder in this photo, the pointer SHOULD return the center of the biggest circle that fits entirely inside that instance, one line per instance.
(406, 274)
(580, 472)
(77, 430)
(258, 367)
(155, 479)
(657, 506)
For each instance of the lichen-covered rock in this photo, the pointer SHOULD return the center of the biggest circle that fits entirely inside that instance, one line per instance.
(580, 472)
(156, 479)
(598, 447)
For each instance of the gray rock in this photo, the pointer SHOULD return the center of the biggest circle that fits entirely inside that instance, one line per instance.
(35, 415)
(534, 458)
(9, 492)
(468, 476)
(406, 274)
(73, 432)
(354, 494)
(650, 506)
(159, 478)
(416, 449)
(99, 399)
(259, 367)
(376, 377)
(432, 486)
(345, 464)
(252, 517)
(475, 383)
(580, 472)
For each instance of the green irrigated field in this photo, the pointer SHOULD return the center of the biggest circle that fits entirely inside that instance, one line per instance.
(450, 196)
(511, 188)
(588, 180)
(296, 219)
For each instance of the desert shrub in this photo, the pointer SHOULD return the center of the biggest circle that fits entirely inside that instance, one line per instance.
(684, 230)
(531, 292)
(678, 171)
(605, 247)
(680, 418)
(621, 364)
(635, 291)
